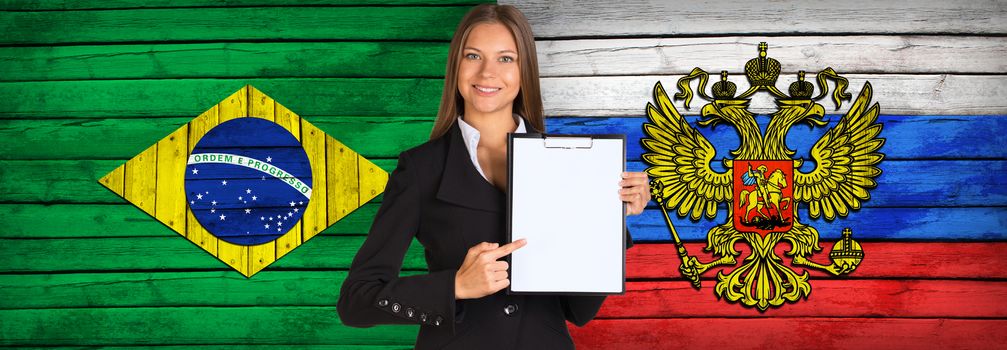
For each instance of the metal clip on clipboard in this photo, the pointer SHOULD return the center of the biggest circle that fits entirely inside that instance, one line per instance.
(567, 142)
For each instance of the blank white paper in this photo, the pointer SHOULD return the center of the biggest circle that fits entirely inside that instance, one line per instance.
(566, 204)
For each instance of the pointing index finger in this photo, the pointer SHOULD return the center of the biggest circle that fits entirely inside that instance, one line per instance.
(506, 249)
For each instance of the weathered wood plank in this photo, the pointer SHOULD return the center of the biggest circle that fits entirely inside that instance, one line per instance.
(261, 255)
(237, 256)
(234, 255)
(882, 260)
(122, 220)
(973, 224)
(198, 127)
(86, 220)
(288, 120)
(224, 60)
(665, 56)
(829, 297)
(953, 182)
(292, 122)
(928, 94)
(113, 180)
(140, 181)
(29, 5)
(968, 183)
(233, 106)
(191, 325)
(316, 214)
(206, 288)
(341, 180)
(174, 253)
(243, 346)
(895, 93)
(846, 54)
(260, 105)
(74, 181)
(372, 180)
(199, 235)
(172, 154)
(907, 137)
(372, 137)
(188, 97)
(568, 18)
(231, 24)
(818, 333)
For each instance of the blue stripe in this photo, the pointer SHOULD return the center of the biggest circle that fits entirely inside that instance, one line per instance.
(926, 224)
(942, 183)
(908, 137)
(942, 178)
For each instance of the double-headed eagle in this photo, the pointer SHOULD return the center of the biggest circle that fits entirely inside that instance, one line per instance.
(844, 170)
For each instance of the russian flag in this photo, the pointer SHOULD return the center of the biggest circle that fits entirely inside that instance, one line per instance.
(932, 230)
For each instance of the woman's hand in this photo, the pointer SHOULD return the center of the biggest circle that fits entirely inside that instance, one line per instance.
(481, 274)
(635, 192)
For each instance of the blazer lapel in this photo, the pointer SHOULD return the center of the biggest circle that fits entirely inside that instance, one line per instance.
(461, 183)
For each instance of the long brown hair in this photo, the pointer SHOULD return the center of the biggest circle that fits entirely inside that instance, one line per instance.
(528, 102)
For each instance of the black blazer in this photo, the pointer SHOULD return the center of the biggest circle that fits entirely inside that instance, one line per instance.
(437, 195)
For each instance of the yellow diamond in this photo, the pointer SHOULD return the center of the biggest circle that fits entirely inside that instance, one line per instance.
(154, 180)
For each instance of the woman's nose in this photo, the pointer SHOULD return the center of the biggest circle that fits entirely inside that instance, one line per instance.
(487, 70)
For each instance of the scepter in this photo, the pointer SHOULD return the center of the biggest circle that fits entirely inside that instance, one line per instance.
(687, 270)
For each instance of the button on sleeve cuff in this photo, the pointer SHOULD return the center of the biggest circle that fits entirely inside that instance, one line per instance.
(424, 299)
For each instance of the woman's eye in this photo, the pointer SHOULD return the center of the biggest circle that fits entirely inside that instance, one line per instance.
(506, 59)
(472, 56)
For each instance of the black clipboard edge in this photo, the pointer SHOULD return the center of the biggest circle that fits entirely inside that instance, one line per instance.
(510, 203)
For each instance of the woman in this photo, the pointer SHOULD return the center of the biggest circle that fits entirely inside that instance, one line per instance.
(449, 193)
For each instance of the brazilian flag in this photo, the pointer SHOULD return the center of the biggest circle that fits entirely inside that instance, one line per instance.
(106, 101)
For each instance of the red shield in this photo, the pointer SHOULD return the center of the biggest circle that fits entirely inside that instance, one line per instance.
(763, 196)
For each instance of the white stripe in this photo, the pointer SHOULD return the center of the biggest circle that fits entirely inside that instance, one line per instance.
(252, 163)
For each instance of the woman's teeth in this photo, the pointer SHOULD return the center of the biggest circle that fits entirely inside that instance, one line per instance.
(486, 89)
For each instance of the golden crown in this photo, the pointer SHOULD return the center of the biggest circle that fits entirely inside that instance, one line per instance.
(762, 70)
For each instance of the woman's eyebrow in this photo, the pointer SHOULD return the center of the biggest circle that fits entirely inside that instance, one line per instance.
(501, 51)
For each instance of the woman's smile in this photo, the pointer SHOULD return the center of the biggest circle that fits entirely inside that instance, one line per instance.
(487, 91)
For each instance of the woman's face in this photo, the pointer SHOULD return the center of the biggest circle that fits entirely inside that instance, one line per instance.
(488, 76)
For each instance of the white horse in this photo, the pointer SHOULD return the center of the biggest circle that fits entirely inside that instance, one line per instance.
(774, 190)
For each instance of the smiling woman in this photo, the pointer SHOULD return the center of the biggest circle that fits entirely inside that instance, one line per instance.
(498, 41)
(450, 194)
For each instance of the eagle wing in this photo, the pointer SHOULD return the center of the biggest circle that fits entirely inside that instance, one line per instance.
(680, 159)
(846, 160)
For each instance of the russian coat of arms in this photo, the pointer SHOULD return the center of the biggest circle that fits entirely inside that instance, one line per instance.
(763, 184)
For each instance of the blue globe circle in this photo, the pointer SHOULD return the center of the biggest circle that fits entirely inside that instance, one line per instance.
(248, 181)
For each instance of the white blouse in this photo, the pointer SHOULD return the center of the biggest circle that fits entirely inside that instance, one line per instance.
(471, 137)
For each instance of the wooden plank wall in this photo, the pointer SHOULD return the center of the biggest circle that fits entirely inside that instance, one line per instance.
(89, 84)
(935, 229)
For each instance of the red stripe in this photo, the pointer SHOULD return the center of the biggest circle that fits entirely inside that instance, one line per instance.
(881, 260)
(903, 295)
(791, 333)
(828, 298)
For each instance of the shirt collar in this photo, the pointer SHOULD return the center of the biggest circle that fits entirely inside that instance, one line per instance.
(470, 135)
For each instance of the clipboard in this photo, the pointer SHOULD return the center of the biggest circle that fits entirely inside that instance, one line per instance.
(562, 196)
